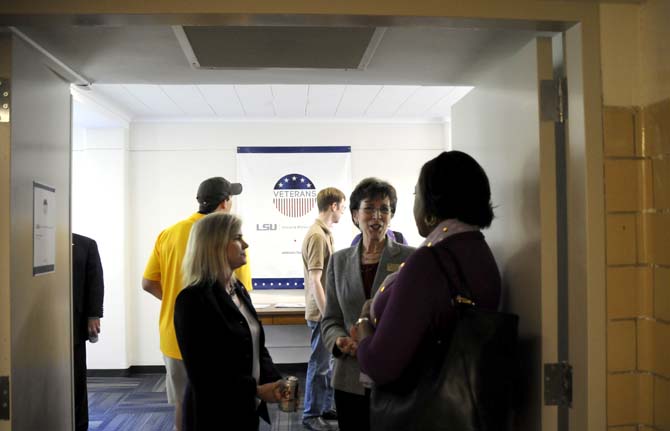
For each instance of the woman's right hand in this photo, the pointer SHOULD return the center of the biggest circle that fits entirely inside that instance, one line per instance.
(367, 309)
(271, 392)
(346, 345)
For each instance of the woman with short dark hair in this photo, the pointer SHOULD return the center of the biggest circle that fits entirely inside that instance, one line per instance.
(354, 275)
(409, 320)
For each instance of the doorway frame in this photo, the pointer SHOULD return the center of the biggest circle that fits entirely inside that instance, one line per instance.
(580, 24)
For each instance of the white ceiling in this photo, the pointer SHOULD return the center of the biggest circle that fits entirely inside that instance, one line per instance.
(140, 73)
(142, 102)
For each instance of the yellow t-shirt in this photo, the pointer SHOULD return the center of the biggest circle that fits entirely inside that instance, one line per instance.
(165, 266)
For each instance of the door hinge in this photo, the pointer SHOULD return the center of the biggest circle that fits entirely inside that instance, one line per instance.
(553, 100)
(4, 398)
(558, 384)
(4, 100)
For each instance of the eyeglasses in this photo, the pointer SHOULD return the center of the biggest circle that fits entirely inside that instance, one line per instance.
(370, 211)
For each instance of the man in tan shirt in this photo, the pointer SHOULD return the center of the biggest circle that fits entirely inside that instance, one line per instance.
(316, 250)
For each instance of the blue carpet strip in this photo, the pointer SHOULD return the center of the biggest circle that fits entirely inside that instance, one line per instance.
(139, 402)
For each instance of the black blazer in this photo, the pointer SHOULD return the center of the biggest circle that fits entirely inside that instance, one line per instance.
(88, 287)
(215, 343)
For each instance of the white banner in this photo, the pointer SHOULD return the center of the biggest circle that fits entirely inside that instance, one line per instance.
(278, 205)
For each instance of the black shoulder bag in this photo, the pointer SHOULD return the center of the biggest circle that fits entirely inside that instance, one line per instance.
(469, 387)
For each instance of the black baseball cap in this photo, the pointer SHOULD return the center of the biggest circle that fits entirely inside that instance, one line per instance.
(214, 190)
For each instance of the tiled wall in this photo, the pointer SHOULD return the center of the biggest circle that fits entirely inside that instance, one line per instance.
(637, 199)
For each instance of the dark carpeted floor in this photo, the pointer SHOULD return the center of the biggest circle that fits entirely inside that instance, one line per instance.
(139, 402)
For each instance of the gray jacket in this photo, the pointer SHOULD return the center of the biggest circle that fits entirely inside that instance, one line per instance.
(344, 301)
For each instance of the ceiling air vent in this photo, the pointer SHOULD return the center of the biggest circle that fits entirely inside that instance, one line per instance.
(278, 47)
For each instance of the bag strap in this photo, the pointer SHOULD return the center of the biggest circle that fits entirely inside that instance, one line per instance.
(461, 295)
(398, 237)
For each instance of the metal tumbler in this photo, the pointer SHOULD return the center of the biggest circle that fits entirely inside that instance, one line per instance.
(289, 402)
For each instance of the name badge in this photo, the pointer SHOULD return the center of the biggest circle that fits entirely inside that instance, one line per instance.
(392, 267)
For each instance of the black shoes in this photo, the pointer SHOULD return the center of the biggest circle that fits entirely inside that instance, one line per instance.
(330, 415)
(317, 423)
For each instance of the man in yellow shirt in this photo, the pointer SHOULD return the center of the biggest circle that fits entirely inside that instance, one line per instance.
(163, 279)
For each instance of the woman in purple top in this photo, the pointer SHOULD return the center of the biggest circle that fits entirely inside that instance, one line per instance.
(398, 329)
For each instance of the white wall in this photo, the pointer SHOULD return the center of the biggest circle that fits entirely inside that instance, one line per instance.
(99, 171)
(167, 161)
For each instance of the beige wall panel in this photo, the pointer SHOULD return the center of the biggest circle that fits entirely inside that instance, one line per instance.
(619, 131)
(629, 292)
(661, 183)
(621, 239)
(662, 349)
(640, 150)
(659, 237)
(629, 399)
(635, 64)
(656, 128)
(662, 403)
(653, 347)
(655, 60)
(646, 348)
(645, 292)
(623, 185)
(662, 293)
(619, 30)
(646, 182)
(621, 341)
(644, 240)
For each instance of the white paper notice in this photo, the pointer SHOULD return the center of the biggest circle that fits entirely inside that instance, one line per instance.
(44, 229)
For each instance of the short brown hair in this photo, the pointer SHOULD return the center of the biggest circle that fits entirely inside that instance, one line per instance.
(327, 197)
(372, 188)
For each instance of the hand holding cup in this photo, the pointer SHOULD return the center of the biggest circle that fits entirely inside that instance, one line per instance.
(271, 392)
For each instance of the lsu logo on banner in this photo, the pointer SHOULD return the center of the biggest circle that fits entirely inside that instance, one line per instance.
(294, 195)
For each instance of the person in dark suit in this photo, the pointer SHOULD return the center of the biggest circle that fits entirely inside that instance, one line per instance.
(87, 297)
(231, 374)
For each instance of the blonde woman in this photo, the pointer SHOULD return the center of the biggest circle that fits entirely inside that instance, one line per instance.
(231, 375)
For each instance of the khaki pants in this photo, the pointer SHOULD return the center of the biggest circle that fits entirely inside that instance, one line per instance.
(175, 386)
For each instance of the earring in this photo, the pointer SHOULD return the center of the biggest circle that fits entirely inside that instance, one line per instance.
(430, 220)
